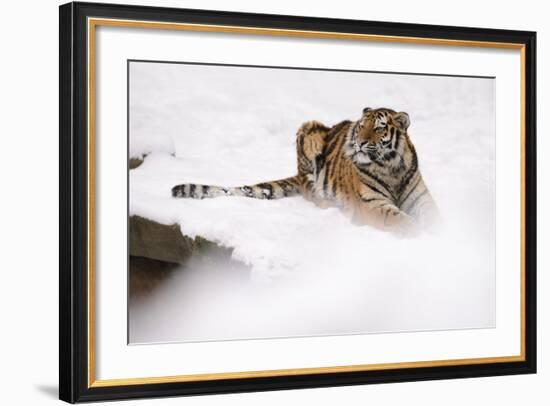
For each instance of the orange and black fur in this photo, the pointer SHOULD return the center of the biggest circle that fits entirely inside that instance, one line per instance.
(368, 168)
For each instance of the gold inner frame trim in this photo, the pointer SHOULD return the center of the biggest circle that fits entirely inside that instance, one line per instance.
(299, 371)
(93, 22)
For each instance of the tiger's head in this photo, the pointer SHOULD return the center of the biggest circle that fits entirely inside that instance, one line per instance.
(377, 136)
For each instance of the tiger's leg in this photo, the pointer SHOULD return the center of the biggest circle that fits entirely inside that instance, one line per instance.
(419, 203)
(379, 212)
(310, 143)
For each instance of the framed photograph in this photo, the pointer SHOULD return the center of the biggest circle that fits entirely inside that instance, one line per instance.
(256, 202)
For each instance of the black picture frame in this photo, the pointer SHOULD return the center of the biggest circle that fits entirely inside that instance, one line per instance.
(74, 199)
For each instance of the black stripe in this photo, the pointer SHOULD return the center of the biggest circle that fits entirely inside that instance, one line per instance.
(377, 180)
(284, 189)
(177, 191)
(410, 191)
(374, 189)
(301, 143)
(406, 179)
(416, 199)
(305, 164)
(397, 139)
(381, 165)
(334, 185)
(330, 135)
(410, 173)
(325, 180)
(315, 126)
(285, 186)
(247, 190)
(291, 186)
(370, 199)
(331, 145)
(269, 194)
(336, 128)
(319, 163)
(269, 187)
(336, 139)
(205, 190)
(192, 190)
(400, 167)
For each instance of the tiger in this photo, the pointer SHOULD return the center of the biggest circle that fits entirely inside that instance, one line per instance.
(367, 168)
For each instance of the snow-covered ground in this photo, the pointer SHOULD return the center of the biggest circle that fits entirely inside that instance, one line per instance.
(313, 272)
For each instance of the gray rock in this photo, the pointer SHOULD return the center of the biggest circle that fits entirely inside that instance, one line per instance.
(153, 240)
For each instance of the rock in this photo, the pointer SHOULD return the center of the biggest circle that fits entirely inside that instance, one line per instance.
(153, 240)
(158, 250)
(133, 163)
(147, 274)
(161, 242)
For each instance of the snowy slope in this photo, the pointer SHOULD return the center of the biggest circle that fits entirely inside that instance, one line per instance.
(232, 126)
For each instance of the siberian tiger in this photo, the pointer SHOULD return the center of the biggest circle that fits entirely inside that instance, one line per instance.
(368, 168)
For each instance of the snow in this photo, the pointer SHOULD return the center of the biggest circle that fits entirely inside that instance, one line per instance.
(231, 126)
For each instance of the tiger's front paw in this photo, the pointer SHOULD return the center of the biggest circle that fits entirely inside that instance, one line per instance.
(323, 203)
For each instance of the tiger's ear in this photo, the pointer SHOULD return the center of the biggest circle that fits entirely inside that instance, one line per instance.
(402, 119)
